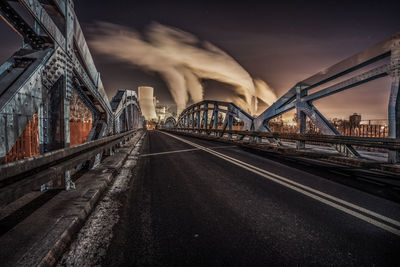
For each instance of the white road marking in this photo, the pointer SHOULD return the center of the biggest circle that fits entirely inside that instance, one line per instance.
(312, 193)
(169, 152)
(180, 151)
(340, 173)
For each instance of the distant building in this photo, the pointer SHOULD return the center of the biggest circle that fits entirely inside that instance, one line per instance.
(355, 120)
(161, 111)
(146, 102)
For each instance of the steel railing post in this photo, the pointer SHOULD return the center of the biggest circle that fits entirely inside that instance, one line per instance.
(216, 119)
(394, 100)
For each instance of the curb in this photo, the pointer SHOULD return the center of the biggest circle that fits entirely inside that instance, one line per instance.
(85, 204)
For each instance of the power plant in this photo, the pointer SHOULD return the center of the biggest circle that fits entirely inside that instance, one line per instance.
(146, 102)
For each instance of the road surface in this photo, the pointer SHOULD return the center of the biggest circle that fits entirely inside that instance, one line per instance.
(200, 203)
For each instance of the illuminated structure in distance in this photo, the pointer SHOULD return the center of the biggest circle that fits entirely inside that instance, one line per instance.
(146, 102)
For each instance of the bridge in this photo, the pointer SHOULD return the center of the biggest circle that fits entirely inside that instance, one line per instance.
(82, 182)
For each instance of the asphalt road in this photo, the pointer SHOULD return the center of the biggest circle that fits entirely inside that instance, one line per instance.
(201, 203)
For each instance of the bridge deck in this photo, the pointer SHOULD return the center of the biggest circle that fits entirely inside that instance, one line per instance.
(188, 205)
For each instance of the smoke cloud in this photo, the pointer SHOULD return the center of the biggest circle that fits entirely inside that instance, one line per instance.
(183, 61)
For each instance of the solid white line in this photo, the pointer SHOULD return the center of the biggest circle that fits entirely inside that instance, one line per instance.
(351, 205)
(169, 152)
(297, 187)
(384, 218)
(221, 146)
(340, 173)
(179, 151)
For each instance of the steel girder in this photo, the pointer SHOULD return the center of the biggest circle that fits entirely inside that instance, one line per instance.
(21, 94)
(394, 100)
(197, 115)
(40, 77)
(299, 98)
(128, 115)
(170, 122)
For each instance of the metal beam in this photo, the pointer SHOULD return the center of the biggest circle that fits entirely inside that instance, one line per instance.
(394, 100)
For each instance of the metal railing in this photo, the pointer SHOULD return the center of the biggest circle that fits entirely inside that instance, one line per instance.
(385, 143)
(21, 177)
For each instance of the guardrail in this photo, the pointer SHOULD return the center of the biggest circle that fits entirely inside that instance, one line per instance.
(385, 143)
(21, 177)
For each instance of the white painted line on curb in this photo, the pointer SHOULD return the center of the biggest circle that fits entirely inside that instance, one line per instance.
(312, 193)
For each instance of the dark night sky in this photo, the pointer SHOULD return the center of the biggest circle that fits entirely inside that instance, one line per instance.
(282, 42)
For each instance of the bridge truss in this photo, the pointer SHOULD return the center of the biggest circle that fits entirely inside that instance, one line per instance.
(380, 60)
(210, 114)
(169, 122)
(53, 78)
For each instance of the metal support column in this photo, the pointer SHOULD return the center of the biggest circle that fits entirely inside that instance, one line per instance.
(216, 119)
(132, 117)
(394, 100)
(301, 118)
(211, 122)
(230, 121)
(198, 119)
(192, 118)
(205, 114)
(67, 84)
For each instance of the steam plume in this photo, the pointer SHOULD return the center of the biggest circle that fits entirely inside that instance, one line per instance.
(182, 60)
(146, 101)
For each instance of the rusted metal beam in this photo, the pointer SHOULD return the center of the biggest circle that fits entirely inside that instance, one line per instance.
(54, 157)
(42, 169)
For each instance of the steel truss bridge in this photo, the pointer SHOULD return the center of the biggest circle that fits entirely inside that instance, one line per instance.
(380, 60)
(58, 128)
(51, 95)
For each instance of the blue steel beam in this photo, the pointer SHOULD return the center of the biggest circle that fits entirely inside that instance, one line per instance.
(298, 97)
(42, 75)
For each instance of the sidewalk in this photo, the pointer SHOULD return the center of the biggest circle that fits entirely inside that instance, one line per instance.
(42, 237)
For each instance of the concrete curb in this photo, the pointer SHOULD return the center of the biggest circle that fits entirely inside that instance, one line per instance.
(66, 237)
(47, 252)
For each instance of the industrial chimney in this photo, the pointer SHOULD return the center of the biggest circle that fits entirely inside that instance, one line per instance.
(146, 102)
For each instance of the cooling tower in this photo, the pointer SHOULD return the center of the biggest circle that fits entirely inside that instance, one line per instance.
(146, 102)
